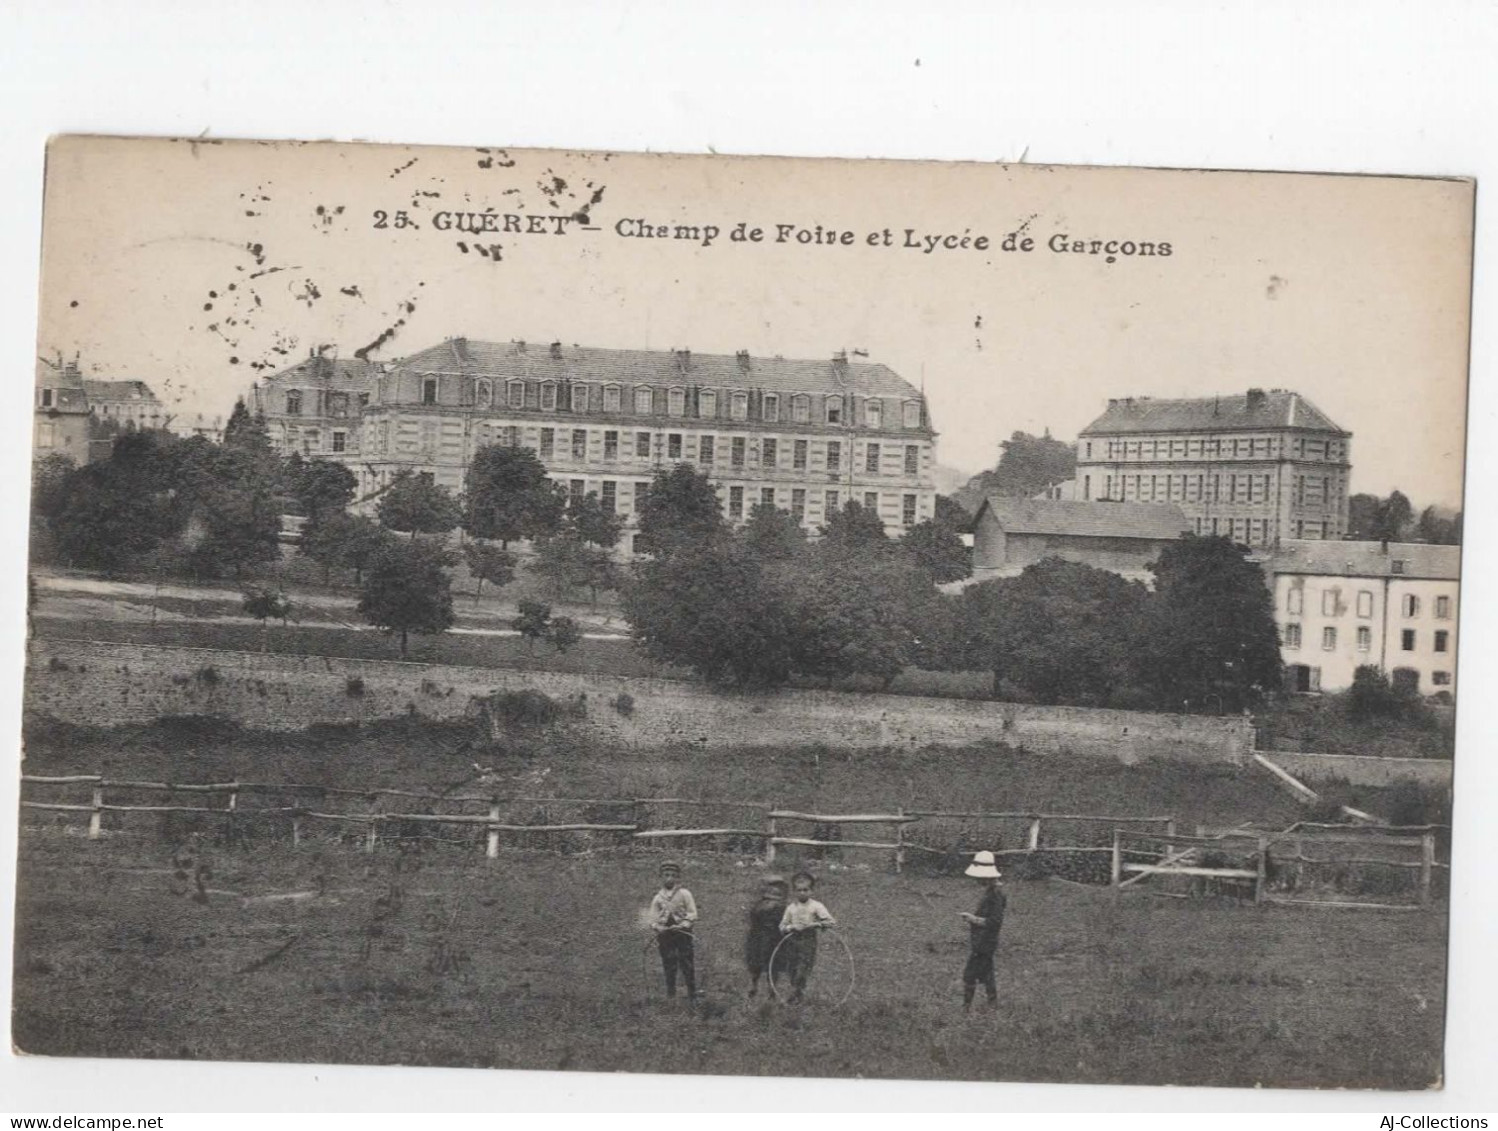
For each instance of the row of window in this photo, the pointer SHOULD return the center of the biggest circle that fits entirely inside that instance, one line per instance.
(680, 401)
(1332, 604)
(735, 451)
(1309, 490)
(336, 405)
(740, 499)
(1215, 447)
(1408, 639)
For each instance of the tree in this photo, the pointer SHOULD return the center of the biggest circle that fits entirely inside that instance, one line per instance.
(1394, 515)
(109, 514)
(489, 563)
(1208, 639)
(320, 487)
(1435, 528)
(533, 623)
(507, 496)
(680, 511)
(344, 541)
(592, 522)
(938, 551)
(566, 562)
(263, 604)
(1362, 517)
(707, 605)
(1061, 630)
(772, 534)
(249, 433)
(854, 532)
(414, 503)
(408, 589)
(1027, 466)
(951, 514)
(564, 634)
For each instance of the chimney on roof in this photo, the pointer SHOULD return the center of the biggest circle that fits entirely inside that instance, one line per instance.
(743, 359)
(1112, 402)
(556, 349)
(520, 345)
(683, 360)
(1256, 399)
(840, 363)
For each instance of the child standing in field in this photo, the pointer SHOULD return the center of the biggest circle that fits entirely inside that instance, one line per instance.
(803, 918)
(672, 914)
(983, 932)
(764, 929)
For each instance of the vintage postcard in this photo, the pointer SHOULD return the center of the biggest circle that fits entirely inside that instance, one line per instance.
(746, 616)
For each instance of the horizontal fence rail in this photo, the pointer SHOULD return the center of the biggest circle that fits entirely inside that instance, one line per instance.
(1138, 849)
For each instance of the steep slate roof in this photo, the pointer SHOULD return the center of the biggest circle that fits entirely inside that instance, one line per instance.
(1367, 559)
(1157, 521)
(330, 373)
(118, 390)
(659, 367)
(1277, 408)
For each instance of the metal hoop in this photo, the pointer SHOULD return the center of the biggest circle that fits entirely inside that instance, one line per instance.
(847, 953)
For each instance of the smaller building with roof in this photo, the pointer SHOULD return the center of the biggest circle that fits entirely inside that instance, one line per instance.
(1012, 533)
(1342, 605)
(60, 426)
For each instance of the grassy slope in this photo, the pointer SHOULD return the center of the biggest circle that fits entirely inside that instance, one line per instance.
(546, 970)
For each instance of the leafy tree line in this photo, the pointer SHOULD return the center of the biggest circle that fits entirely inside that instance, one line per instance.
(762, 605)
(1393, 519)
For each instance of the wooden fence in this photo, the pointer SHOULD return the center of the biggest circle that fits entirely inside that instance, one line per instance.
(384, 810)
(1269, 864)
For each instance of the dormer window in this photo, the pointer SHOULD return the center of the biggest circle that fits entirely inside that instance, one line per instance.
(873, 413)
(644, 400)
(834, 410)
(429, 390)
(707, 403)
(548, 396)
(676, 402)
(579, 398)
(739, 406)
(293, 401)
(515, 392)
(483, 392)
(801, 409)
(912, 415)
(772, 408)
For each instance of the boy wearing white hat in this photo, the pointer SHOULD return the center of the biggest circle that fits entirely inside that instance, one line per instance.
(983, 932)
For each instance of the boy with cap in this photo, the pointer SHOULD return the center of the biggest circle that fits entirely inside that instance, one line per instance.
(764, 929)
(672, 913)
(803, 918)
(983, 932)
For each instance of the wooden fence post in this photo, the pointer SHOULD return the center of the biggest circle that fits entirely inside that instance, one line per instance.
(1262, 869)
(1117, 871)
(770, 840)
(233, 805)
(372, 834)
(491, 850)
(296, 831)
(1034, 840)
(1427, 863)
(1170, 836)
(96, 818)
(900, 842)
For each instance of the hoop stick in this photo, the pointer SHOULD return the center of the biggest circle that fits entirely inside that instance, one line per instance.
(847, 953)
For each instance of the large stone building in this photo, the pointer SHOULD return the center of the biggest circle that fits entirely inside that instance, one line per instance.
(1341, 605)
(314, 407)
(1010, 534)
(131, 405)
(60, 424)
(1261, 468)
(804, 436)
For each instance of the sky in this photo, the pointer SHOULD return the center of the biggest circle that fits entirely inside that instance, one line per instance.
(199, 266)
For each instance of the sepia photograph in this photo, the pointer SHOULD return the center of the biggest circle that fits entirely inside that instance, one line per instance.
(742, 616)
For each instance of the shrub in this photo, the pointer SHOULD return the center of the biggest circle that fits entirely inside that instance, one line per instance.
(353, 686)
(207, 675)
(525, 707)
(1411, 803)
(624, 703)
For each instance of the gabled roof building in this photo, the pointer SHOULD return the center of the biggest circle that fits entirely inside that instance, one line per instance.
(1262, 468)
(1011, 533)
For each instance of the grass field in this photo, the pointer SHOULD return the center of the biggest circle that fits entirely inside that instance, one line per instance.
(536, 962)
